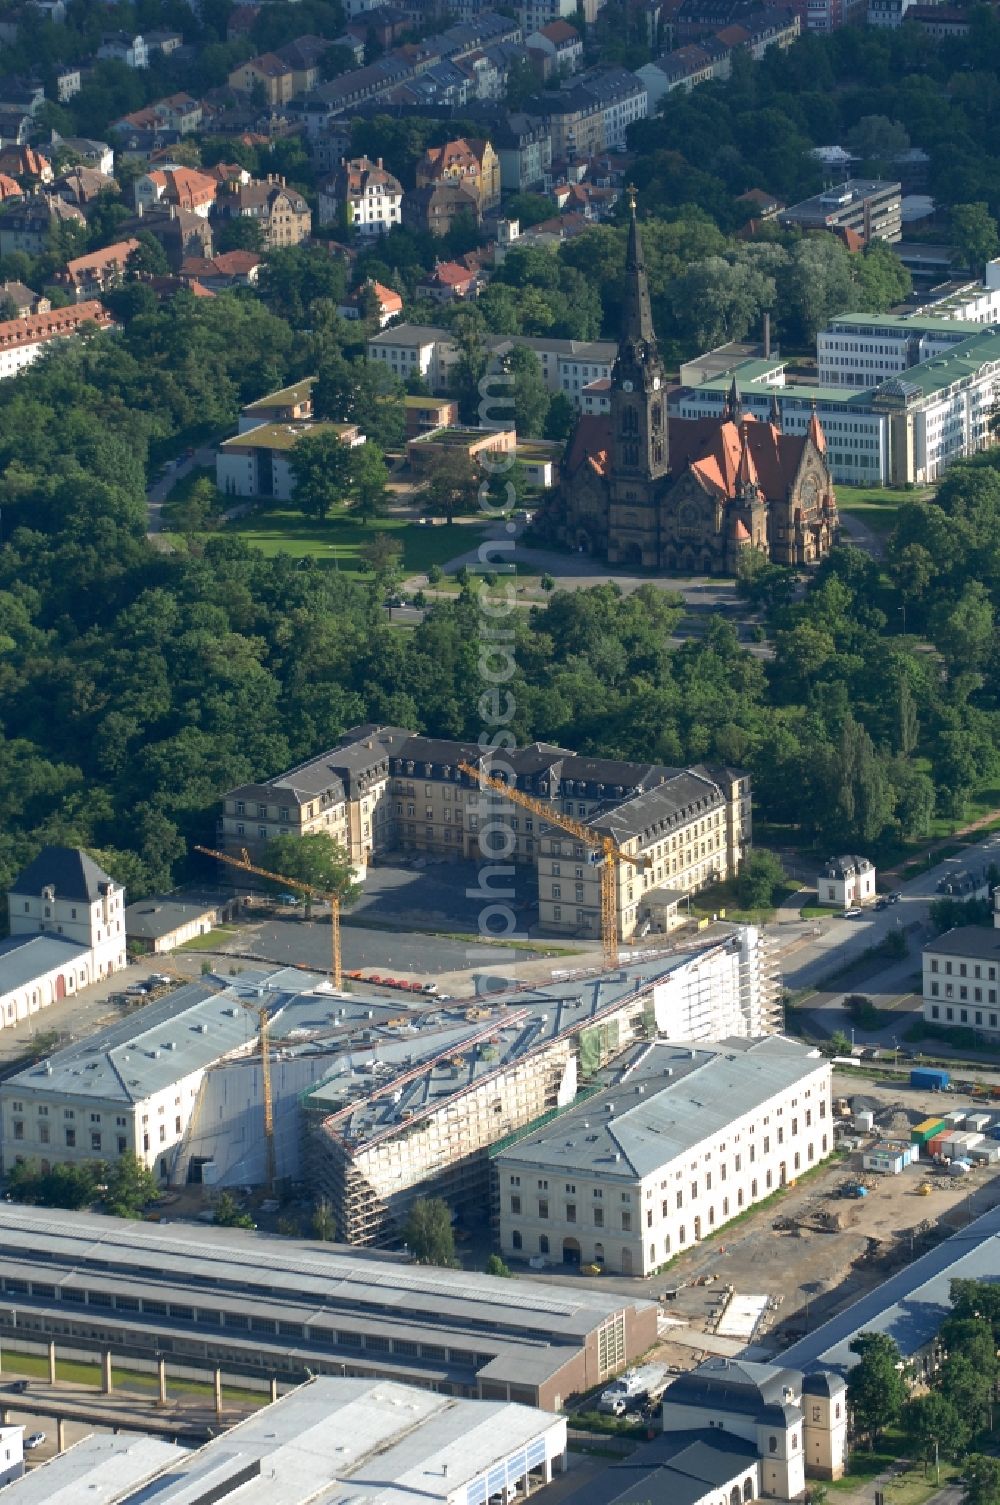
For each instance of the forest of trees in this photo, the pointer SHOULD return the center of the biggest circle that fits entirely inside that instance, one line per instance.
(137, 685)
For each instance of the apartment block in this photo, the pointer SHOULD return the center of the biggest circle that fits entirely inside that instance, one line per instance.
(869, 207)
(568, 366)
(592, 113)
(685, 1139)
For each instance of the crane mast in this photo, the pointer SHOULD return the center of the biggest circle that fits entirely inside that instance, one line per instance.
(246, 866)
(612, 854)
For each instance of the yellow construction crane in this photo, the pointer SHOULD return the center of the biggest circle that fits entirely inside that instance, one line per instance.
(264, 1031)
(611, 852)
(245, 865)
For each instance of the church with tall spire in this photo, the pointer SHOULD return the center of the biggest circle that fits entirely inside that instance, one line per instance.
(686, 496)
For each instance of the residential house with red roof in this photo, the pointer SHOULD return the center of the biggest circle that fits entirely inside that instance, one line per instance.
(390, 304)
(472, 163)
(176, 187)
(22, 340)
(88, 276)
(447, 282)
(26, 164)
(225, 270)
(560, 46)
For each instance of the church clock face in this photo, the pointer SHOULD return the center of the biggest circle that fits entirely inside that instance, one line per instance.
(626, 386)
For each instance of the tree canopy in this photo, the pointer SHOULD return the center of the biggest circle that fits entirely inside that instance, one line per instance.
(427, 1232)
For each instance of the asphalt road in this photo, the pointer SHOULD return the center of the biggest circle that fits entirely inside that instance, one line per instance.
(308, 942)
(161, 489)
(809, 958)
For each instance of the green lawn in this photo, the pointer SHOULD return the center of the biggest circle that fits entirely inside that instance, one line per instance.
(909, 1487)
(211, 940)
(337, 541)
(877, 506)
(79, 1372)
(723, 896)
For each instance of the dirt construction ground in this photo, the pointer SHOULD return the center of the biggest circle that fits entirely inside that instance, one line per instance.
(813, 1274)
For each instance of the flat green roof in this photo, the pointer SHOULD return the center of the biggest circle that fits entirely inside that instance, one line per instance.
(748, 375)
(456, 436)
(914, 325)
(284, 435)
(960, 363)
(285, 397)
(409, 401)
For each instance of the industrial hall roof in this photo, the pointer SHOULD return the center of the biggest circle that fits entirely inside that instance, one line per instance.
(677, 1468)
(24, 958)
(332, 1441)
(143, 1054)
(455, 1324)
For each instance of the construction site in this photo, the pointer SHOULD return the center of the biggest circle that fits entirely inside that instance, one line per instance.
(382, 1132)
(822, 1246)
(374, 1101)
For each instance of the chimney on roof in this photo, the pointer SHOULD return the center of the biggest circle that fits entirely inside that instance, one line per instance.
(379, 162)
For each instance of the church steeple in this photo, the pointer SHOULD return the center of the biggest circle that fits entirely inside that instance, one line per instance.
(638, 384)
(637, 316)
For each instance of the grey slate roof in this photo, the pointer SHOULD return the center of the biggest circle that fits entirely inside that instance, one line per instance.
(141, 1055)
(660, 807)
(734, 1385)
(676, 1098)
(967, 940)
(68, 870)
(152, 918)
(677, 1468)
(25, 957)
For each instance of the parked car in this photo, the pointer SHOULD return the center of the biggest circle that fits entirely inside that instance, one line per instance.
(137, 990)
(895, 897)
(19, 1386)
(34, 1441)
(853, 914)
(882, 903)
(609, 1405)
(288, 901)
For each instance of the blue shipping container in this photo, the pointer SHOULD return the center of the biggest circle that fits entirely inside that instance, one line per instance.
(929, 1078)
